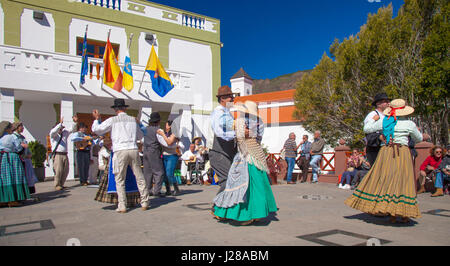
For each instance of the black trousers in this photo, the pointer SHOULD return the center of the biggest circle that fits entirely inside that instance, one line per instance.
(83, 162)
(303, 164)
(372, 154)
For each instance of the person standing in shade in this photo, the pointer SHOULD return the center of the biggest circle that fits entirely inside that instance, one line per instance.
(290, 150)
(83, 144)
(25, 155)
(316, 155)
(380, 102)
(153, 164)
(58, 139)
(124, 135)
(305, 157)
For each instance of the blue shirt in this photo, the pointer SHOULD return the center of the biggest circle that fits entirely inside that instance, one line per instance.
(222, 123)
(10, 143)
(305, 149)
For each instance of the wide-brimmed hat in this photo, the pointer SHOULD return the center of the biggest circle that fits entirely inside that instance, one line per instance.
(16, 125)
(249, 107)
(119, 103)
(194, 139)
(154, 117)
(380, 97)
(398, 107)
(3, 126)
(224, 90)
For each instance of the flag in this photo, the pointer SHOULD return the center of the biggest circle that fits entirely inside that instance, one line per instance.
(127, 73)
(161, 82)
(84, 60)
(112, 75)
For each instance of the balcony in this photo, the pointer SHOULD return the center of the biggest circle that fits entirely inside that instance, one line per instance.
(113, 4)
(37, 71)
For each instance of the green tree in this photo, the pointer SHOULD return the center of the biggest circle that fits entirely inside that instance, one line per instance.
(405, 56)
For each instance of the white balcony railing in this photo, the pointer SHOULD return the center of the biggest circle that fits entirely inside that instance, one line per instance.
(113, 4)
(28, 69)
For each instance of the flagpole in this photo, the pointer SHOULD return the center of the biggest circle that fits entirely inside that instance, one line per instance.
(143, 75)
(85, 34)
(103, 74)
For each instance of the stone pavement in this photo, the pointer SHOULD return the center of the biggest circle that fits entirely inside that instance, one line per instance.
(309, 214)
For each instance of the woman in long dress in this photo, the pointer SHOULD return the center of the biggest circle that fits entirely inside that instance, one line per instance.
(26, 158)
(389, 187)
(248, 196)
(13, 183)
(105, 196)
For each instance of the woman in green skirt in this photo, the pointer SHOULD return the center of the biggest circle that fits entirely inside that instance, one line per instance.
(13, 183)
(248, 196)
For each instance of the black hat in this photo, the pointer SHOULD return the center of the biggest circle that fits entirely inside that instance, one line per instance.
(119, 103)
(380, 97)
(154, 117)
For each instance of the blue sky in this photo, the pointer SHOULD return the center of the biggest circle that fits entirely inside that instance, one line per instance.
(272, 38)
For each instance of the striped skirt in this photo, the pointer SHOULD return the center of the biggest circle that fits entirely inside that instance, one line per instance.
(389, 187)
(13, 183)
(133, 198)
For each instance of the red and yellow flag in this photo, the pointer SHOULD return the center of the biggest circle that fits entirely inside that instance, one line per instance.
(112, 75)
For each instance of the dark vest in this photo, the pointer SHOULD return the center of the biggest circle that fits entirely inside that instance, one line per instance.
(226, 148)
(151, 143)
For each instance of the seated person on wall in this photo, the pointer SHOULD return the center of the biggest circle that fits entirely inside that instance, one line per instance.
(429, 166)
(442, 174)
(353, 163)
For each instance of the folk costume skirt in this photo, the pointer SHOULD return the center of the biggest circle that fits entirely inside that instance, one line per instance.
(389, 186)
(133, 198)
(13, 182)
(259, 199)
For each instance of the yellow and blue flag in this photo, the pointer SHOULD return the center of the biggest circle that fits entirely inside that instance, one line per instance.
(161, 82)
(127, 81)
(84, 61)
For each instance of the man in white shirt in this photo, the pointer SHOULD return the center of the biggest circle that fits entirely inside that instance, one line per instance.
(188, 156)
(124, 135)
(58, 138)
(380, 102)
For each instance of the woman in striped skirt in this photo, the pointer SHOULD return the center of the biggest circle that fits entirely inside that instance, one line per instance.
(389, 187)
(13, 183)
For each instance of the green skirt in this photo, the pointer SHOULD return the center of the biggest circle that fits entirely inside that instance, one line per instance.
(13, 183)
(259, 199)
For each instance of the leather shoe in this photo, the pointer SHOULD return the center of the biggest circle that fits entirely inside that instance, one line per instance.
(291, 182)
(121, 211)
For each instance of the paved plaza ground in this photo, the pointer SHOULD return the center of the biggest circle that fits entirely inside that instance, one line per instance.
(309, 215)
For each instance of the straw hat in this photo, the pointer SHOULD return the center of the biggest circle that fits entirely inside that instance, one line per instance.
(248, 107)
(398, 107)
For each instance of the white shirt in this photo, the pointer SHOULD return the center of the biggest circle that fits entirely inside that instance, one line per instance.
(187, 156)
(222, 123)
(104, 153)
(370, 116)
(54, 137)
(124, 131)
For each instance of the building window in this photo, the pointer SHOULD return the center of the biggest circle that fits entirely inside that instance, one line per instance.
(95, 48)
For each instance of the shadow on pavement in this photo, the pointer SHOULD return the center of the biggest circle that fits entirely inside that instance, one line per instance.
(380, 220)
(47, 196)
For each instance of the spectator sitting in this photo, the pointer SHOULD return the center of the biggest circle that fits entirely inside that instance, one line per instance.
(442, 173)
(353, 162)
(362, 170)
(428, 167)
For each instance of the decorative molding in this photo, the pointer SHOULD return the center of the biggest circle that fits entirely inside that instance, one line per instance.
(136, 8)
(171, 16)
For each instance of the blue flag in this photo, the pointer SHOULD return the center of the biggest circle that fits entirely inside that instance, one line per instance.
(84, 60)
